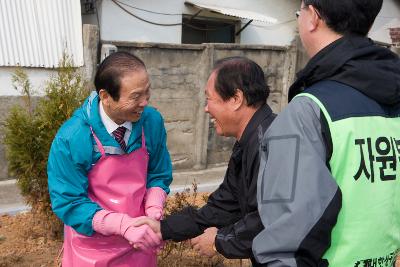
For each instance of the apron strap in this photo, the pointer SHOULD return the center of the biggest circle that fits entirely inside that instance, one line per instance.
(101, 148)
(143, 139)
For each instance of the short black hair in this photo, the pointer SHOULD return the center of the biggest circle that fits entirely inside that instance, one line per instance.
(112, 69)
(347, 16)
(241, 73)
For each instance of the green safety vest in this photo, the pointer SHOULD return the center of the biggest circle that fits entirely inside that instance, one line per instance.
(365, 163)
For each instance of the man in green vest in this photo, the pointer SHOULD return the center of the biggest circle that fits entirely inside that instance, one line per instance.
(329, 179)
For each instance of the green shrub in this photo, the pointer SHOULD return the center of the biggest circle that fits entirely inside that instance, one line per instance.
(29, 133)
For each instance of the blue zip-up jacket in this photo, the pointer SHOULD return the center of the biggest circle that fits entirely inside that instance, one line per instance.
(73, 154)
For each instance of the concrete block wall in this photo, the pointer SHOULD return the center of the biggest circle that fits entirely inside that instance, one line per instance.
(178, 75)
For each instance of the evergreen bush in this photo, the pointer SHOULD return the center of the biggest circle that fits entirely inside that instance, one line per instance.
(29, 132)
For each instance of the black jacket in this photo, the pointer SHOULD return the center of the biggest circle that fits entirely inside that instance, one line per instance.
(357, 62)
(232, 208)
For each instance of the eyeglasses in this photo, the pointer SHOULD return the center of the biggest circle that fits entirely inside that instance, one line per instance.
(297, 13)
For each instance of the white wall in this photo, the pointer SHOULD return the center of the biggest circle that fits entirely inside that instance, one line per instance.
(282, 33)
(37, 77)
(34, 35)
(388, 17)
(117, 25)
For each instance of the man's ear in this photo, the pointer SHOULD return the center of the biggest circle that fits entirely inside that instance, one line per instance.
(315, 19)
(238, 99)
(104, 97)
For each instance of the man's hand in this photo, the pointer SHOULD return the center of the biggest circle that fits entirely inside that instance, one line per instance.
(142, 237)
(204, 244)
(154, 225)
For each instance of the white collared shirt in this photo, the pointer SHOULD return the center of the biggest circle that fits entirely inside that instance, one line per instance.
(111, 126)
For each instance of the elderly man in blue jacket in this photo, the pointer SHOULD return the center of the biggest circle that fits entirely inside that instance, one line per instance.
(109, 165)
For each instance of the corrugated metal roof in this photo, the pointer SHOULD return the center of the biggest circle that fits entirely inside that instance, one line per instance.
(244, 14)
(34, 33)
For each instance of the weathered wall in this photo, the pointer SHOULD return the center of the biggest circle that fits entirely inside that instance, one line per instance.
(178, 76)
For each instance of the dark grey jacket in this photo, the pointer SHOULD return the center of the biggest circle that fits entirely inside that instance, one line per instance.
(299, 199)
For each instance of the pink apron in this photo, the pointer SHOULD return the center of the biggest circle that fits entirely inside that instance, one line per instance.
(116, 183)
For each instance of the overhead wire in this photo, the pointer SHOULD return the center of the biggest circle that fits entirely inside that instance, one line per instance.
(144, 20)
(149, 11)
(119, 4)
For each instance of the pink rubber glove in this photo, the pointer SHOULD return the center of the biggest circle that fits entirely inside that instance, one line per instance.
(142, 237)
(113, 223)
(154, 202)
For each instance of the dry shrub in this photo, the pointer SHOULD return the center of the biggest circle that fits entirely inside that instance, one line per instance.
(176, 254)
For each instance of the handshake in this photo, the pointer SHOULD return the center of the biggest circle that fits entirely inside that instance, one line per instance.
(141, 232)
(144, 233)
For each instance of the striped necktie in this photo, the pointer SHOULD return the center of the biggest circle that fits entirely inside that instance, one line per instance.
(119, 136)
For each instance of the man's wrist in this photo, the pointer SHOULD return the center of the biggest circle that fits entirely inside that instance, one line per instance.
(214, 248)
(215, 245)
(165, 231)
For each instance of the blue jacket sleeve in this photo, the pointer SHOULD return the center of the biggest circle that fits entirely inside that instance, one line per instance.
(68, 165)
(160, 166)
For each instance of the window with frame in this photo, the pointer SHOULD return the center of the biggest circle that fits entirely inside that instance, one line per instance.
(207, 30)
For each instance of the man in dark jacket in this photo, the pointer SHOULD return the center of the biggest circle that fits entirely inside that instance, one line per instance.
(332, 196)
(236, 101)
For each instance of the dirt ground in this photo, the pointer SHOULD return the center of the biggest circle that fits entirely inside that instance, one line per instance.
(24, 244)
